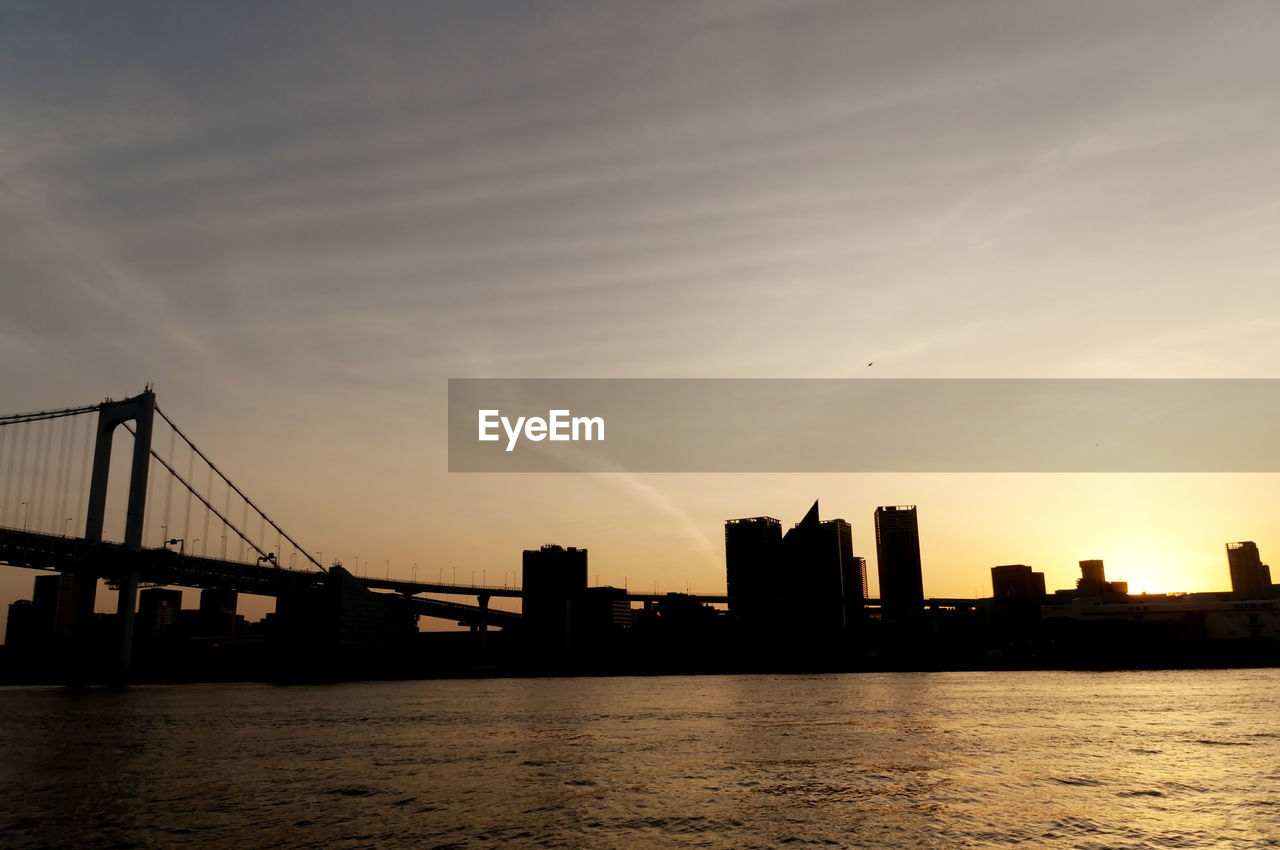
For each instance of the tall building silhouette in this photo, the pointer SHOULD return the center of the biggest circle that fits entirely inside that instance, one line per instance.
(751, 553)
(811, 553)
(1248, 573)
(798, 582)
(898, 554)
(554, 580)
(853, 570)
(815, 559)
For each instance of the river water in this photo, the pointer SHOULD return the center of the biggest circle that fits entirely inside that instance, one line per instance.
(1037, 759)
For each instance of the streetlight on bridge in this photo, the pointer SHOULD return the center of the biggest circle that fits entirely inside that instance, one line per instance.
(64, 525)
(25, 513)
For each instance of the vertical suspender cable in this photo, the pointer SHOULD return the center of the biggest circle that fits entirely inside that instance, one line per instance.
(147, 510)
(12, 458)
(86, 462)
(18, 474)
(49, 495)
(6, 461)
(64, 468)
(226, 509)
(49, 501)
(205, 540)
(42, 461)
(168, 494)
(186, 516)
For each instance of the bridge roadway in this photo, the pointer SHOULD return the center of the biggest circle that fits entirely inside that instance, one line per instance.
(38, 551)
(413, 587)
(165, 567)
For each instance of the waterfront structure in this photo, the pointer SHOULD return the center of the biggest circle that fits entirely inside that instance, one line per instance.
(1186, 618)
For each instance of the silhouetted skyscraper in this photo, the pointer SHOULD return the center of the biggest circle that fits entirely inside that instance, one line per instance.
(1248, 573)
(793, 583)
(853, 570)
(898, 554)
(751, 553)
(554, 580)
(814, 555)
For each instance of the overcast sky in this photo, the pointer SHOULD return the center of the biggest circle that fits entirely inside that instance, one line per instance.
(298, 220)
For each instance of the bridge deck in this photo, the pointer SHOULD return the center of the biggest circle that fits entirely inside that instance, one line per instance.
(36, 550)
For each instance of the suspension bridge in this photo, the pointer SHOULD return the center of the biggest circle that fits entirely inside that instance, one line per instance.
(184, 523)
(181, 521)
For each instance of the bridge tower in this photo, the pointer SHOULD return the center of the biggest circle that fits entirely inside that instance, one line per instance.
(141, 411)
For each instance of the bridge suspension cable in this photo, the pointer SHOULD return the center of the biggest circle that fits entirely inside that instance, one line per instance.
(192, 490)
(37, 468)
(44, 472)
(239, 492)
(37, 416)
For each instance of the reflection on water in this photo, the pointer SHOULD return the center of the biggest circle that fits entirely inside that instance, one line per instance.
(1136, 759)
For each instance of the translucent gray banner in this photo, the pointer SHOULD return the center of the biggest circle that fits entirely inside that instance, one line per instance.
(867, 425)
